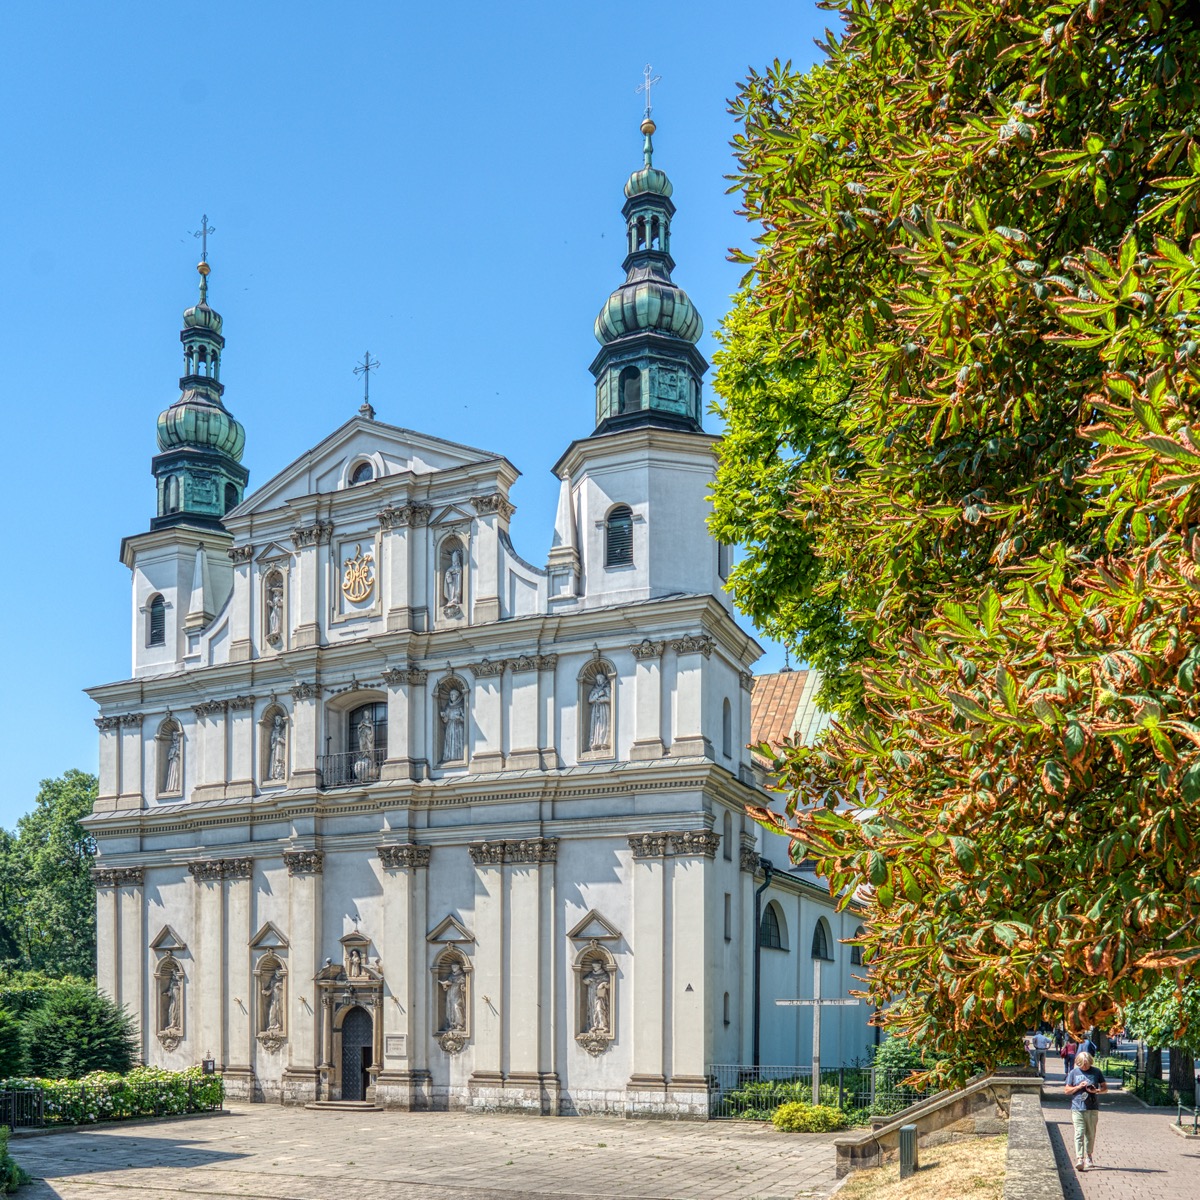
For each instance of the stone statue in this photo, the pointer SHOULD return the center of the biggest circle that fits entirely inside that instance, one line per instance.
(600, 706)
(366, 734)
(172, 781)
(274, 608)
(355, 963)
(277, 765)
(172, 995)
(273, 995)
(452, 581)
(455, 987)
(598, 988)
(454, 717)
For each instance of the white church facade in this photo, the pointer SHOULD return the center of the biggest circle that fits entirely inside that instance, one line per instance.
(389, 815)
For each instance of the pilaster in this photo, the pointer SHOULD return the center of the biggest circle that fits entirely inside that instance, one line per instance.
(132, 756)
(406, 711)
(689, 740)
(494, 512)
(241, 612)
(239, 735)
(522, 753)
(308, 541)
(300, 1078)
(647, 691)
(547, 666)
(110, 764)
(210, 762)
(304, 773)
(490, 1004)
(486, 754)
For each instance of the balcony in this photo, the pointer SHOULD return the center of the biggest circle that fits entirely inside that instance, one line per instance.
(352, 769)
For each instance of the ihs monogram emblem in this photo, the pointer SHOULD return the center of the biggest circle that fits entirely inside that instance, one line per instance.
(359, 576)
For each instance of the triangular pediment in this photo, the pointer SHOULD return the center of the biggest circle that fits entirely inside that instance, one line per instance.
(390, 449)
(168, 941)
(451, 930)
(273, 552)
(269, 938)
(452, 514)
(594, 928)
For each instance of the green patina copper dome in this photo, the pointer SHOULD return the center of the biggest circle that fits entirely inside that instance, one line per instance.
(198, 422)
(648, 303)
(648, 181)
(200, 316)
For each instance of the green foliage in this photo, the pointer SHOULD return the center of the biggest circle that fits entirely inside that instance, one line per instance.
(12, 1044)
(109, 1096)
(47, 902)
(78, 1030)
(984, 217)
(21, 992)
(11, 1174)
(1168, 1015)
(808, 1118)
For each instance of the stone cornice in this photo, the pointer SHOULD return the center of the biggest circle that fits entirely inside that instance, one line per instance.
(304, 862)
(404, 856)
(207, 869)
(674, 843)
(103, 877)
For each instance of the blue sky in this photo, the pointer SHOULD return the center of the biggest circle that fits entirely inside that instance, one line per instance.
(440, 184)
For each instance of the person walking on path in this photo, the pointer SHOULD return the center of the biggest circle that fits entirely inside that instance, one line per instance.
(1084, 1084)
(1069, 1050)
(1041, 1043)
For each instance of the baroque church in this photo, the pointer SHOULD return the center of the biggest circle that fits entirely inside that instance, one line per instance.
(389, 815)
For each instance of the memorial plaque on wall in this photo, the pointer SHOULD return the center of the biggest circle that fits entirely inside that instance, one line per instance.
(395, 1045)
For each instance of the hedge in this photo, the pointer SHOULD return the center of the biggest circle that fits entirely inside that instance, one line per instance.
(107, 1096)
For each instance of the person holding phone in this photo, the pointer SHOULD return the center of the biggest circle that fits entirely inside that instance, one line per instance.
(1084, 1084)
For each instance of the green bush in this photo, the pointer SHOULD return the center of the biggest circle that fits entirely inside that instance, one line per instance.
(21, 992)
(108, 1096)
(808, 1118)
(12, 1044)
(11, 1175)
(76, 1030)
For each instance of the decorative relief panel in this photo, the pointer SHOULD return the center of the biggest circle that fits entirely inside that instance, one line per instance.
(675, 843)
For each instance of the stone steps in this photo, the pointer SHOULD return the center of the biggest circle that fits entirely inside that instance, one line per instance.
(345, 1106)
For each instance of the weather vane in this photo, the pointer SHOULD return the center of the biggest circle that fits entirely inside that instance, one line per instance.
(202, 233)
(647, 85)
(364, 369)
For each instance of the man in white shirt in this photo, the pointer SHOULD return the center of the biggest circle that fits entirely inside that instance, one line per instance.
(1041, 1043)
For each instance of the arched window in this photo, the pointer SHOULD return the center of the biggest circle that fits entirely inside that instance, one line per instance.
(724, 559)
(629, 387)
(156, 632)
(171, 494)
(231, 496)
(727, 728)
(822, 943)
(362, 473)
(725, 1008)
(366, 745)
(771, 931)
(856, 957)
(727, 838)
(618, 537)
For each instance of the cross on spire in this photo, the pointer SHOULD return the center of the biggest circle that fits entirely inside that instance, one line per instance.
(647, 85)
(364, 369)
(202, 233)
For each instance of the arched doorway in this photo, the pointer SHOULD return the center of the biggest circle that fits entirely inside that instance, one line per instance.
(357, 1053)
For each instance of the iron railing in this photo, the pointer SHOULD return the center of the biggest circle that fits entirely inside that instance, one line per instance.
(753, 1093)
(21, 1108)
(73, 1103)
(350, 769)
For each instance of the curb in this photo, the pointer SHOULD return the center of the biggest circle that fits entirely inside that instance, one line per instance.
(49, 1130)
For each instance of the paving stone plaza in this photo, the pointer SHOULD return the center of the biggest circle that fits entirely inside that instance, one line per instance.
(298, 1154)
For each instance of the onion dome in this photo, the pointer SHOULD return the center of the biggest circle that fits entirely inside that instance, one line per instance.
(194, 420)
(649, 302)
(649, 180)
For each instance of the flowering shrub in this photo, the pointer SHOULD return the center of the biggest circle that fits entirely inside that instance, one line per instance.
(107, 1096)
(798, 1117)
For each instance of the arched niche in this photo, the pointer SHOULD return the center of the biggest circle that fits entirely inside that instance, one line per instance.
(452, 717)
(274, 607)
(595, 998)
(597, 683)
(170, 1024)
(356, 728)
(451, 1001)
(452, 568)
(168, 753)
(274, 743)
(270, 993)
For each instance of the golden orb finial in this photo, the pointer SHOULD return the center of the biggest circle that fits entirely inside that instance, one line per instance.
(648, 126)
(203, 267)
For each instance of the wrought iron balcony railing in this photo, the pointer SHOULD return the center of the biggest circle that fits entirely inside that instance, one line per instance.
(351, 769)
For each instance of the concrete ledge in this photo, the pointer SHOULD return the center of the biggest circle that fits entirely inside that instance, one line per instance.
(978, 1110)
(1182, 1131)
(1030, 1171)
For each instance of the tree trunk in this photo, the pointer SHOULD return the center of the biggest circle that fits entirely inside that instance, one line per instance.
(1153, 1063)
(1183, 1068)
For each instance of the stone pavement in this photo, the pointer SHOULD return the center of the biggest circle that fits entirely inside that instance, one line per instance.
(265, 1152)
(1137, 1156)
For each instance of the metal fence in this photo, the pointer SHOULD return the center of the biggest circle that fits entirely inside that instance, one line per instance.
(753, 1093)
(66, 1102)
(21, 1108)
(351, 769)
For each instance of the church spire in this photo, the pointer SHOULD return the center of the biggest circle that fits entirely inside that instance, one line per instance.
(648, 371)
(199, 472)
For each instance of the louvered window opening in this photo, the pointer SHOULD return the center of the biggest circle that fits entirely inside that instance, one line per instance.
(618, 551)
(158, 622)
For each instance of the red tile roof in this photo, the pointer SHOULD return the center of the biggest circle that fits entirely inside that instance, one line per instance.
(773, 706)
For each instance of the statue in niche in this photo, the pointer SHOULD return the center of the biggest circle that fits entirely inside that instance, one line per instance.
(277, 765)
(273, 1002)
(355, 968)
(452, 581)
(364, 763)
(600, 708)
(455, 987)
(274, 609)
(172, 997)
(598, 987)
(172, 781)
(454, 719)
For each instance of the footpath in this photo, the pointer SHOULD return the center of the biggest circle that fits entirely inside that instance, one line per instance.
(1137, 1155)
